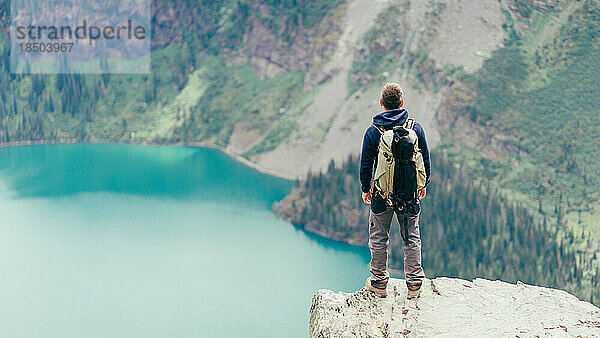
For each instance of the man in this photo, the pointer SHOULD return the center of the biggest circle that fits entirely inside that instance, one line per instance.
(380, 218)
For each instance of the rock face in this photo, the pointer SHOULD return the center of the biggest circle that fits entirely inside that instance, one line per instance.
(453, 307)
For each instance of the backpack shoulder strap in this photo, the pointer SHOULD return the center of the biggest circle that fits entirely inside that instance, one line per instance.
(409, 124)
(380, 129)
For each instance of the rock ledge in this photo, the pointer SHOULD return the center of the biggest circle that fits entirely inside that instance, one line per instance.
(453, 307)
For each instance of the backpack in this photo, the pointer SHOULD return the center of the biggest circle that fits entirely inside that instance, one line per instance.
(400, 170)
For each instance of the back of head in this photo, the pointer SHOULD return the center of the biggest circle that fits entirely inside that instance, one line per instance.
(392, 96)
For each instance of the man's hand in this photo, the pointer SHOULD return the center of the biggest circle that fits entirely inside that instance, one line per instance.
(366, 196)
(422, 193)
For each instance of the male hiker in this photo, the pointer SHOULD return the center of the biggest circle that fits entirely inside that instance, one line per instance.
(394, 188)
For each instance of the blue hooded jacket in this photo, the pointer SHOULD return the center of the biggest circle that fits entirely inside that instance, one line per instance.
(387, 120)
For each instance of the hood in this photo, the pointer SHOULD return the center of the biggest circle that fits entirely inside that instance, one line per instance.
(389, 119)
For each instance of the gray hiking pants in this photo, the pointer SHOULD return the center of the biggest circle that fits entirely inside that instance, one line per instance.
(379, 241)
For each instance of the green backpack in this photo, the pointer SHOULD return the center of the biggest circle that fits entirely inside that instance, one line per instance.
(400, 171)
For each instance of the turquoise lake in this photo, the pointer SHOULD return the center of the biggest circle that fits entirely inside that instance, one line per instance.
(113, 240)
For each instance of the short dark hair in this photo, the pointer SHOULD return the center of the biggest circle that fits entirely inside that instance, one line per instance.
(392, 96)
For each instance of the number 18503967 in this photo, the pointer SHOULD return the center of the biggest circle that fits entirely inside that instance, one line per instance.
(41, 47)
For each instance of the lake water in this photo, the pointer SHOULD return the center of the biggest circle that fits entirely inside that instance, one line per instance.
(112, 240)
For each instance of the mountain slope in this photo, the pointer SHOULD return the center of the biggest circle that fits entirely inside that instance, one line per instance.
(398, 38)
(294, 78)
(261, 61)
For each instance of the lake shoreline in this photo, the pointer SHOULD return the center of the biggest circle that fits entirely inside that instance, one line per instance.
(306, 227)
(233, 155)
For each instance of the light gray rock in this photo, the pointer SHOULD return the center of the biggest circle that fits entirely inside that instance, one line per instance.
(454, 307)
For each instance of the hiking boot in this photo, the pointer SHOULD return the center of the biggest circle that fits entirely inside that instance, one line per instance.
(377, 287)
(414, 292)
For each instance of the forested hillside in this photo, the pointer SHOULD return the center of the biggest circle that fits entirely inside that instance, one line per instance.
(468, 229)
(204, 77)
(539, 99)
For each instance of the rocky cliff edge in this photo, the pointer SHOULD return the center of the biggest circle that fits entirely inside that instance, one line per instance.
(454, 307)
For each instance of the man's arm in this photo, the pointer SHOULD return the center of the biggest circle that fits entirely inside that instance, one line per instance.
(424, 149)
(367, 157)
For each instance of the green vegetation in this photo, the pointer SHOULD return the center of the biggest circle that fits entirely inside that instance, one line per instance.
(552, 117)
(236, 93)
(193, 94)
(207, 25)
(51, 107)
(468, 229)
(299, 14)
(387, 51)
(497, 83)
(385, 45)
(297, 104)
